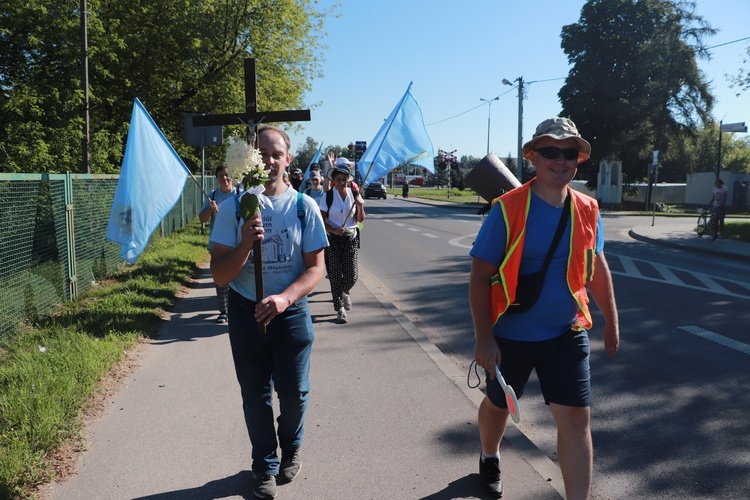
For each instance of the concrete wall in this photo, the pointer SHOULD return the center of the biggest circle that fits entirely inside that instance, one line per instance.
(701, 185)
(671, 194)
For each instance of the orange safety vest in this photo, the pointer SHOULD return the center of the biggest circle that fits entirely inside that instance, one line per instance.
(584, 214)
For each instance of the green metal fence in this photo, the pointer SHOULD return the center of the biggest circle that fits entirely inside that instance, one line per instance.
(52, 239)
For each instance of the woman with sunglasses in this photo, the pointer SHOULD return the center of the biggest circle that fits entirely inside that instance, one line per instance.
(343, 209)
(536, 254)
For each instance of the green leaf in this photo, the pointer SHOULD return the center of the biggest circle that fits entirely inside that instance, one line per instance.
(249, 206)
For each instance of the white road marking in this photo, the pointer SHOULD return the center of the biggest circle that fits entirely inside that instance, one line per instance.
(719, 339)
(430, 235)
(630, 267)
(709, 283)
(412, 229)
(463, 241)
(667, 274)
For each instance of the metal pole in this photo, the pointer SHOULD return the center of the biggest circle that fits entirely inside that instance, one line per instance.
(520, 130)
(718, 161)
(85, 158)
(489, 117)
(489, 108)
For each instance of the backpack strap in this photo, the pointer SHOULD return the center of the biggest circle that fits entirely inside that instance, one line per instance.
(329, 199)
(301, 211)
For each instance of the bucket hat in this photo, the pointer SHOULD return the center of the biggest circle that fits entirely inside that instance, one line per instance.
(342, 166)
(558, 128)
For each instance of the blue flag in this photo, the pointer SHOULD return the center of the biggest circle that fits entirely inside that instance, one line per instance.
(314, 160)
(401, 140)
(151, 181)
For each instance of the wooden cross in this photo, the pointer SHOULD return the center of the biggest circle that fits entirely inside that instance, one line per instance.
(251, 117)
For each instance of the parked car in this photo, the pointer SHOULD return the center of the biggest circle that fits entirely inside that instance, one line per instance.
(375, 190)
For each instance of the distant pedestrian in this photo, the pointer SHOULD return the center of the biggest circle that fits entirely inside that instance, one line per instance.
(296, 179)
(718, 204)
(343, 209)
(279, 359)
(405, 190)
(208, 213)
(306, 181)
(538, 250)
(315, 191)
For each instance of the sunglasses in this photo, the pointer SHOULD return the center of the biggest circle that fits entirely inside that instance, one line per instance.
(552, 153)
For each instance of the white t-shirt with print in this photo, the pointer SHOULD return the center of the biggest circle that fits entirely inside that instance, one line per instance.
(283, 243)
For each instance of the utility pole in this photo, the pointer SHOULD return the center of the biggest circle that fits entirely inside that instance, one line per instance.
(85, 158)
(520, 124)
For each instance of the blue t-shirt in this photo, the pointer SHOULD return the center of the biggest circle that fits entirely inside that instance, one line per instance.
(283, 244)
(219, 197)
(556, 310)
(315, 194)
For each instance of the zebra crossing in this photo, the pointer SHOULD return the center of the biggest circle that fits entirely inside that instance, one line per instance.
(622, 265)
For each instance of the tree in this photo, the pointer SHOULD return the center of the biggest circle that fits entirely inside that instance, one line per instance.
(468, 162)
(510, 162)
(635, 86)
(305, 153)
(176, 56)
(742, 80)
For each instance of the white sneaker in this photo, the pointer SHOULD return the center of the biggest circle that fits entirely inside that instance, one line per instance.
(347, 300)
(341, 316)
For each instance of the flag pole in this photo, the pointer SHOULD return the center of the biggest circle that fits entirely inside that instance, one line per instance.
(197, 182)
(380, 146)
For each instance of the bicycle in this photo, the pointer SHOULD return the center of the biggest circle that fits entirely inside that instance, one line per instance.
(706, 222)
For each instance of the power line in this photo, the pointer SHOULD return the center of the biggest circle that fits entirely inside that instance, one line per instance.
(727, 43)
(467, 111)
(497, 97)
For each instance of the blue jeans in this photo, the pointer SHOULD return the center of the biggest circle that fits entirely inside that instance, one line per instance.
(277, 360)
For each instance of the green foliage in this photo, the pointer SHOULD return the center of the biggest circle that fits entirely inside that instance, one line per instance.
(741, 81)
(50, 369)
(176, 56)
(635, 86)
(699, 153)
(305, 153)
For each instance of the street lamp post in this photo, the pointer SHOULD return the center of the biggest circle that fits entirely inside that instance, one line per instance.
(489, 115)
(520, 124)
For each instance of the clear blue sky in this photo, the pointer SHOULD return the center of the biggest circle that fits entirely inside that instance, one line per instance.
(458, 52)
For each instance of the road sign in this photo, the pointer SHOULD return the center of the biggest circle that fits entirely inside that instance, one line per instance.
(734, 127)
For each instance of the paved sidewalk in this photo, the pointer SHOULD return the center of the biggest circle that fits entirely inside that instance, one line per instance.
(390, 417)
(679, 232)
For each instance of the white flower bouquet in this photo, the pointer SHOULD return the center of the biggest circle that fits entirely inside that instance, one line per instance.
(245, 164)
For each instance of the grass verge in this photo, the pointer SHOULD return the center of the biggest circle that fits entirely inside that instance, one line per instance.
(51, 369)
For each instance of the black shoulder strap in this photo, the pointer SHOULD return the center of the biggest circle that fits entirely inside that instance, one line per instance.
(329, 199)
(558, 234)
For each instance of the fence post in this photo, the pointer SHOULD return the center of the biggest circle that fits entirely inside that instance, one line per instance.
(70, 236)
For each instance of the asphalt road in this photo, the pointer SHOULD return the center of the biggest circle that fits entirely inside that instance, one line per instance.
(668, 412)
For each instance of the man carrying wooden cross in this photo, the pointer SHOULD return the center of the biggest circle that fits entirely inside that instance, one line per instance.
(293, 236)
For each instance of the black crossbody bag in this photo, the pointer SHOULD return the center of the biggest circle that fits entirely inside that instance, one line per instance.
(530, 286)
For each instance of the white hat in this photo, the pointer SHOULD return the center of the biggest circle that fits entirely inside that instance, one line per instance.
(344, 161)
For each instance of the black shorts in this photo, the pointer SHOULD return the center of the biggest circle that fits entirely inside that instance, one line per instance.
(561, 364)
